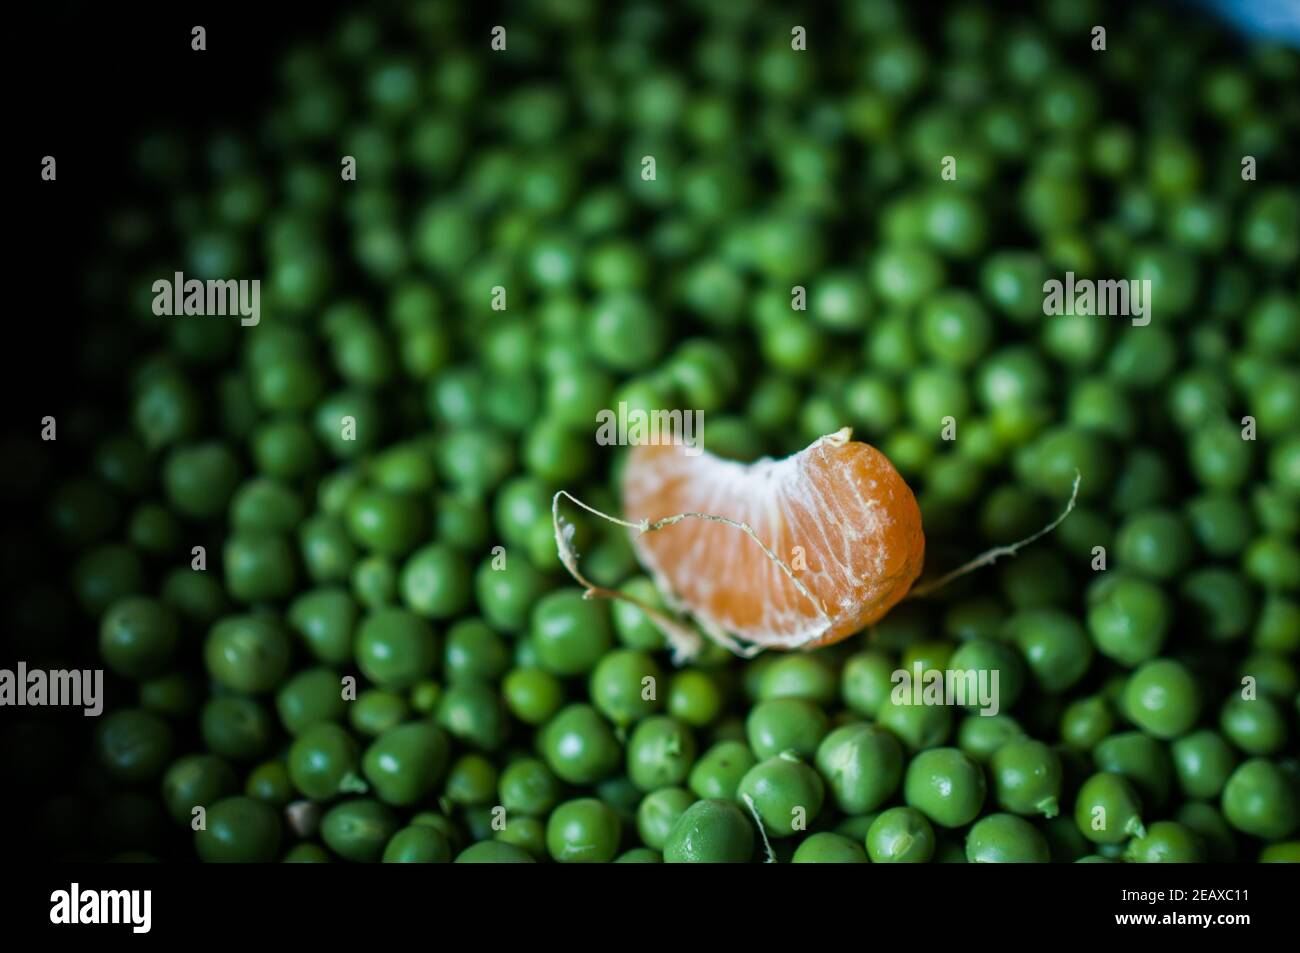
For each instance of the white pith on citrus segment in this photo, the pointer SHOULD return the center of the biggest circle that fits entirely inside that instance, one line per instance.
(842, 503)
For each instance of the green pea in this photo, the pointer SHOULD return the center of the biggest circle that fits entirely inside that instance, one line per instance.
(383, 522)
(1203, 761)
(472, 712)
(494, 852)
(710, 831)
(324, 619)
(527, 786)
(473, 650)
(1026, 777)
(471, 781)
(900, 835)
(395, 648)
(584, 830)
(569, 632)
(1005, 839)
(359, 830)
(435, 582)
(312, 696)
(826, 847)
(916, 726)
(718, 772)
(579, 746)
(200, 479)
(946, 785)
(417, 845)
(624, 686)
(695, 698)
(658, 812)
(324, 761)
(507, 588)
(786, 724)
(1254, 725)
(240, 830)
(1054, 646)
(532, 695)
(1107, 810)
(660, 752)
(248, 654)
(862, 765)
(865, 682)
(236, 728)
(405, 763)
(137, 636)
(798, 676)
(197, 780)
(1128, 618)
(1086, 722)
(980, 735)
(1143, 760)
(1162, 698)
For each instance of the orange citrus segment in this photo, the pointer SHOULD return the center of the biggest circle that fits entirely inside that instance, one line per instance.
(837, 514)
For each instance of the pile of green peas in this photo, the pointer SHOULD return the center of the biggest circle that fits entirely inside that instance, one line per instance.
(361, 645)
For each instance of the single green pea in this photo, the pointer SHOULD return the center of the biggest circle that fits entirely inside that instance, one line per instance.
(570, 633)
(1005, 839)
(1166, 842)
(435, 582)
(324, 761)
(383, 522)
(1108, 810)
(247, 653)
(359, 830)
(1162, 698)
(507, 587)
(900, 835)
(579, 745)
(946, 785)
(239, 830)
(532, 695)
(799, 676)
(917, 726)
(1026, 777)
(328, 553)
(584, 830)
(786, 724)
(624, 686)
(200, 479)
(827, 847)
(980, 735)
(718, 772)
(1086, 722)
(137, 637)
(527, 833)
(405, 763)
(1054, 645)
(474, 650)
(1203, 761)
(473, 713)
(197, 780)
(1142, 759)
(710, 831)
(658, 812)
(310, 697)
(865, 682)
(471, 781)
(417, 845)
(695, 697)
(527, 786)
(660, 752)
(494, 852)
(1128, 619)
(1260, 801)
(991, 660)
(236, 728)
(395, 648)
(862, 765)
(1255, 725)
(270, 782)
(324, 619)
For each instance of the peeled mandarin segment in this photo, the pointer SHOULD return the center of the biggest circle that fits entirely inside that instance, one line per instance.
(837, 513)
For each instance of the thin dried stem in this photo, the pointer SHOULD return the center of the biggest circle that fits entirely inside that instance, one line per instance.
(990, 556)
